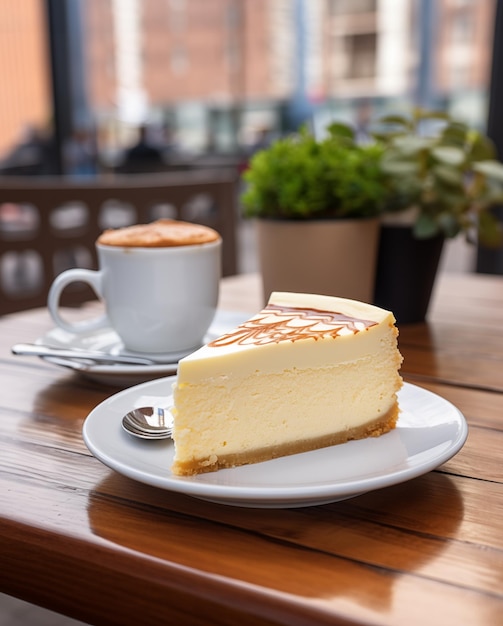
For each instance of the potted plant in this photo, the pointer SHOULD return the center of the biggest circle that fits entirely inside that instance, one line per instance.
(317, 204)
(443, 179)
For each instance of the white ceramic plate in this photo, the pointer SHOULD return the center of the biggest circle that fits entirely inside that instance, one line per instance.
(108, 342)
(430, 431)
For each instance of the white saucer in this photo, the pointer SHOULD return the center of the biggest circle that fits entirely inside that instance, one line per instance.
(108, 342)
(429, 432)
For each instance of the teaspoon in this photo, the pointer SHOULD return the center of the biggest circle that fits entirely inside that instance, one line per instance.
(30, 349)
(148, 422)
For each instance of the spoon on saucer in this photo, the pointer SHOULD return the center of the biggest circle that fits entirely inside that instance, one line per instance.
(30, 349)
(148, 422)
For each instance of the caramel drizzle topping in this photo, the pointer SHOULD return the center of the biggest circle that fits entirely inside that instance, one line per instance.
(281, 323)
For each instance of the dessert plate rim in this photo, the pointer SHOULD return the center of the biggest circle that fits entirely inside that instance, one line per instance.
(430, 431)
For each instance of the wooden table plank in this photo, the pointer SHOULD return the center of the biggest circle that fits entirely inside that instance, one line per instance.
(481, 408)
(75, 529)
(57, 457)
(341, 529)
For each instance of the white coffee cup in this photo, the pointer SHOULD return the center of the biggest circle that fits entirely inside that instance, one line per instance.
(159, 297)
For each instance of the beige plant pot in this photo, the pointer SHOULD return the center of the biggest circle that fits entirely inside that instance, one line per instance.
(330, 257)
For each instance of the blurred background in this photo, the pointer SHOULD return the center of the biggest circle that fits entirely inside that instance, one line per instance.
(96, 88)
(214, 80)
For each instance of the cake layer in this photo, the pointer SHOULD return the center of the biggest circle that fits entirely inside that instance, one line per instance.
(214, 462)
(288, 410)
(307, 371)
(285, 339)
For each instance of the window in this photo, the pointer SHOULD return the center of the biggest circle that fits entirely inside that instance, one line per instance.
(344, 7)
(362, 55)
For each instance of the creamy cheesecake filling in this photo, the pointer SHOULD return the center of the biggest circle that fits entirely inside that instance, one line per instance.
(242, 415)
(213, 462)
(290, 379)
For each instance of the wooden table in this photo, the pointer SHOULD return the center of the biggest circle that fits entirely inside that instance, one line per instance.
(83, 540)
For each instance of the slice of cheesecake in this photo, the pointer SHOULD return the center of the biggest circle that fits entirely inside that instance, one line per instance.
(306, 372)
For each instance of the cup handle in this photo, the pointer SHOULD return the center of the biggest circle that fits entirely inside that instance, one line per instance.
(94, 280)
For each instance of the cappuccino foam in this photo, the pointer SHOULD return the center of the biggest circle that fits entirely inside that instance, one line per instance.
(162, 233)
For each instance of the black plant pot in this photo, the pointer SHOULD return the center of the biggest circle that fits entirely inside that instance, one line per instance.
(406, 271)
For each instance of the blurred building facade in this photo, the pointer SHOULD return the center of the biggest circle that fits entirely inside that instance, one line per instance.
(218, 72)
(25, 102)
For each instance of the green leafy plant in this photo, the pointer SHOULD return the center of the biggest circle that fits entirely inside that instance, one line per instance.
(444, 169)
(301, 177)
